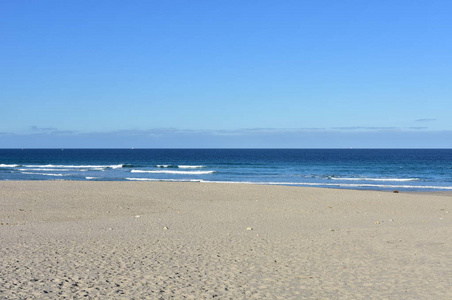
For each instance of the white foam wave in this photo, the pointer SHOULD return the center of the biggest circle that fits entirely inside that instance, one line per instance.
(180, 166)
(44, 174)
(173, 172)
(189, 167)
(8, 166)
(337, 184)
(264, 182)
(89, 178)
(351, 185)
(76, 166)
(391, 186)
(374, 179)
(172, 180)
(45, 169)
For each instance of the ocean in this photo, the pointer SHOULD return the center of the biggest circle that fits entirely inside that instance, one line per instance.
(371, 169)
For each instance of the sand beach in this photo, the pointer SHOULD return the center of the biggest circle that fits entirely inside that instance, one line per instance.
(163, 240)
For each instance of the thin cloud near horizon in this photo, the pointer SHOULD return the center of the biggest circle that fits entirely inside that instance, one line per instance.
(35, 130)
(425, 120)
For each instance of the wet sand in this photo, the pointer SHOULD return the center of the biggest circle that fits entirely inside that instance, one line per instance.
(139, 240)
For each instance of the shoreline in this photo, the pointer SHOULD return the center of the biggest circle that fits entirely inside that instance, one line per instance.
(113, 239)
(442, 192)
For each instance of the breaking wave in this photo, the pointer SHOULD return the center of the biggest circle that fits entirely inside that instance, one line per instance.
(374, 179)
(76, 166)
(173, 172)
(8, 166)
(43, 174)
(179, 166)
(170, 180)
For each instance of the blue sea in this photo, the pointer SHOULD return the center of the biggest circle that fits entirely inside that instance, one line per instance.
(374, 169)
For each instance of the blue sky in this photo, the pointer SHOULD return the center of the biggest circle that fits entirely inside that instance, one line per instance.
(278, 74)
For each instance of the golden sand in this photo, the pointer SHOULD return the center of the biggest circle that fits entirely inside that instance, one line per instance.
(139, 240)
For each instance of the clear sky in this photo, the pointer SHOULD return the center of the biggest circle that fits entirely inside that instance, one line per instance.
(278, 74)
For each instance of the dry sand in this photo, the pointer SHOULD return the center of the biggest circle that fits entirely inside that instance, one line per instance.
(135, 240)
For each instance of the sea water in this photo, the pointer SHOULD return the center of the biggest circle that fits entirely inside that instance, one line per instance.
(376, 169)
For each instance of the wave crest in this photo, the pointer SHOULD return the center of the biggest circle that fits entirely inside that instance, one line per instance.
(169, 180)
(43, 174)
(76, 166)
(173, 172)
(8, 166)
(180, 166)
(373, 179)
